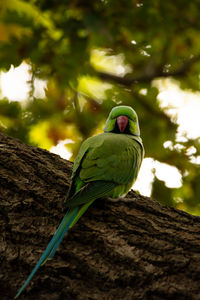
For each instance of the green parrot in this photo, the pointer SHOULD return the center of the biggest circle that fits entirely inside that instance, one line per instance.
(107, 165)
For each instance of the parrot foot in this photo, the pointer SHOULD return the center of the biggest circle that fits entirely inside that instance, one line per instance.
(118, 199)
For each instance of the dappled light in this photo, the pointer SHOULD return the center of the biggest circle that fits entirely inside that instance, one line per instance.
(65, 65)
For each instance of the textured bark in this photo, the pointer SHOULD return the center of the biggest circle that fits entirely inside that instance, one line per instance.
(133, 248)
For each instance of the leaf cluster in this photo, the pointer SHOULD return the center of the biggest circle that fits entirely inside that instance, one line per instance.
(95, 55)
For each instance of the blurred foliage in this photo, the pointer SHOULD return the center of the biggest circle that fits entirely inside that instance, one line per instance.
(95, 55)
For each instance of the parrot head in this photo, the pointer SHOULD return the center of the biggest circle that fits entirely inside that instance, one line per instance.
(122, 119)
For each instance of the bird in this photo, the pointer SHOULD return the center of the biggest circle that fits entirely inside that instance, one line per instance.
(107, 165)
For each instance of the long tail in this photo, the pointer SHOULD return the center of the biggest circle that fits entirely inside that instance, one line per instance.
(53, 244)
(79, 213)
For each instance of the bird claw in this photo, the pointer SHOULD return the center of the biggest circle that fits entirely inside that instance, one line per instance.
(115, 199)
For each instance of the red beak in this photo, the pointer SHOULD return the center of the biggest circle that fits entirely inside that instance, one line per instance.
(122, 122)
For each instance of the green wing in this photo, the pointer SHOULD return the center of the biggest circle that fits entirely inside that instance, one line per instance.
(104, 162)
(91, 191)
(117, 158)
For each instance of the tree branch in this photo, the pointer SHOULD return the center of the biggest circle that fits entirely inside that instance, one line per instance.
(128, 81)
(132, 248)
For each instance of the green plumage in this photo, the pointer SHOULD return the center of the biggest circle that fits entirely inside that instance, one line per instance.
(109, 157)
(107, 165)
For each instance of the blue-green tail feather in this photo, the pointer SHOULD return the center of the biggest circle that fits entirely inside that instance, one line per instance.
(79, 213)
(56, 245)
(53, 244)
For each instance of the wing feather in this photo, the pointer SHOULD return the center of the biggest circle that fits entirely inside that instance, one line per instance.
(109, 160)
(116, 159)
(90, 192)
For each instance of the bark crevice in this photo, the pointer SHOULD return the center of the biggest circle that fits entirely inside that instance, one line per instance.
(132, 248)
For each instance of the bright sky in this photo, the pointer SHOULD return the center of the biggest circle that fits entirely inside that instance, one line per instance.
(14, 84)
(183, 105)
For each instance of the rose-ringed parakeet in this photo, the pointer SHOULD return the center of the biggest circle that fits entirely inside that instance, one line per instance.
(106, 166)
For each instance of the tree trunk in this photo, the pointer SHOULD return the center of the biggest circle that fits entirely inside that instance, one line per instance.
(132, 248)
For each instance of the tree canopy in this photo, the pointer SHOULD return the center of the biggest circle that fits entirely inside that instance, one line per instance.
(98, 54)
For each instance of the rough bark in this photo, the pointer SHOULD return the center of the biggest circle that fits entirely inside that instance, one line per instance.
(133, 248)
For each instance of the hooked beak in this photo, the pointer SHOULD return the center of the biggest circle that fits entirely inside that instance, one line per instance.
(122, 122)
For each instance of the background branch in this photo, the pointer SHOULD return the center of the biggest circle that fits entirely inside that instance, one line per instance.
(147, 77)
